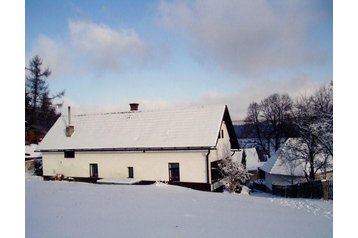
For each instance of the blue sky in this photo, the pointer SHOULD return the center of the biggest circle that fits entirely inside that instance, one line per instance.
(106, 54)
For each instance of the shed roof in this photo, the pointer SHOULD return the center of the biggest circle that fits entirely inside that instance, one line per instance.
(178, 128)
(252, 159)
(286, 161)
(30, 152)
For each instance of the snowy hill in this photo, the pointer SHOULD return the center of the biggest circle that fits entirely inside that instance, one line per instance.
(72, 209)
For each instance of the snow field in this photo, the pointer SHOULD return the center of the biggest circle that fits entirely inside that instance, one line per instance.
(72, 209)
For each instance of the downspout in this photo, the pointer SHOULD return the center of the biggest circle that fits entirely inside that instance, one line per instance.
(207, 167)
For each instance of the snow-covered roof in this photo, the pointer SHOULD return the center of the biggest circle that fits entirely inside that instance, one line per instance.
(178, 128)
(252, 159)
(237, 156)
(30, 152)
(280, 164)
(289, 162)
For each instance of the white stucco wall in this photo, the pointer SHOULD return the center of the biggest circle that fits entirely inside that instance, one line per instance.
(147, 165)
(223, 145)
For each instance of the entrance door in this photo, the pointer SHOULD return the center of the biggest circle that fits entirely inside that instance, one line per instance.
(94, 170)
(174, 173)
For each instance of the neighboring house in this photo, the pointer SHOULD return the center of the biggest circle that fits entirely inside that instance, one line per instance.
(30, 152)
(181, 146)
(250, 158)
(33, 160)
(286, 167)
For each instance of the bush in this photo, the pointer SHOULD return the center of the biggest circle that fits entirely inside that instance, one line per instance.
(38, 167)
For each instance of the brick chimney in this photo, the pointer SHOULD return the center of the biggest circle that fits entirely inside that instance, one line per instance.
(69, 128)
(134, 107)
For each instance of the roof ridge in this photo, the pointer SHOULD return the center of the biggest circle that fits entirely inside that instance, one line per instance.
(141, 111)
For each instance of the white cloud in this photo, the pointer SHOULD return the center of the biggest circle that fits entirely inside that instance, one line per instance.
(90, 46)
(246, 37)
(55, 56)
(107, 48)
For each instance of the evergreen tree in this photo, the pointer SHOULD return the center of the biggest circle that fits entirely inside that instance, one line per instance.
(39, 108)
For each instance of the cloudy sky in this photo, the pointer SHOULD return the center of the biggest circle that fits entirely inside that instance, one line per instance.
(106, 54)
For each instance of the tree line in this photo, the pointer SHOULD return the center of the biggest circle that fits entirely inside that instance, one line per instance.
(308, 118)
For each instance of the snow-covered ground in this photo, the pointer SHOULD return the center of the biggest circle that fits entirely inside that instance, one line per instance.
(73, 209)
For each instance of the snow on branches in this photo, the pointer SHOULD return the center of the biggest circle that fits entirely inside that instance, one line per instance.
(233, 171)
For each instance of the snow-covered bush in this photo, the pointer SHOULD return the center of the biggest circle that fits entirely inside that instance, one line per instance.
(38, 167)
(33, 167)
(234, 173)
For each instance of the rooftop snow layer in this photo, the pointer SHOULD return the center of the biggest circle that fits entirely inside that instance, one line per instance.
(252, 158)
(188, 127)
(281, 163)
(288, 161)
(30, 151)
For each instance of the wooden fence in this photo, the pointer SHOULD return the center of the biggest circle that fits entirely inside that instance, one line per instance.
(330, 189)
(312, 189)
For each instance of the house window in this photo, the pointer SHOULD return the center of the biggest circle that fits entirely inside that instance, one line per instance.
(94, 170)
(221, 134)
(130, 172)
(174, 173)
(69, 154)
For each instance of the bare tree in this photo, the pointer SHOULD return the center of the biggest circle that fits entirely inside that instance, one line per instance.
(300, 159)
(322, 127)
(276, 111)
(256, 128)
(313, 119)
(326, 165)
(270, 122)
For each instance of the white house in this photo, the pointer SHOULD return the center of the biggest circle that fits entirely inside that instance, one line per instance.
(287, 166)
(181, 146)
